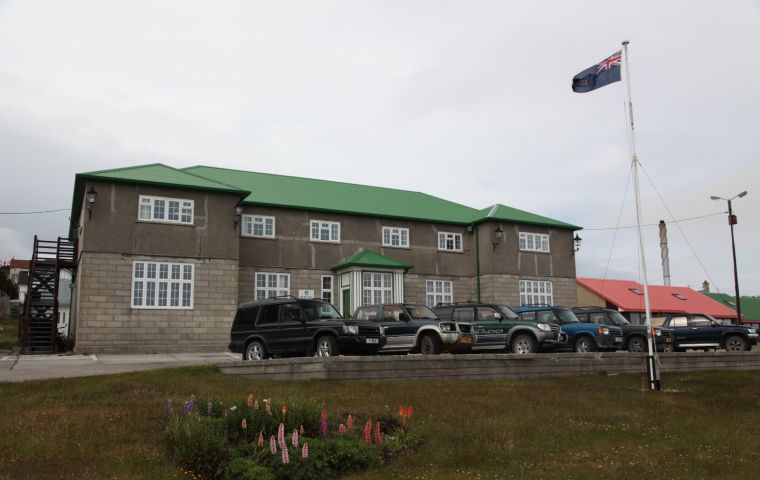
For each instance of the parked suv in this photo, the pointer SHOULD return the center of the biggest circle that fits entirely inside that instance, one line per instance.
(415, 328)
(634, 336)
(287, 326)
(581, 337)
(703, 331)
(498, 327)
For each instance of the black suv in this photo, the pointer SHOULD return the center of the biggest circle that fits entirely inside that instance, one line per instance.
(287, 326)
(415, 328)
(705, 332)
(498, 327)
(634, 336)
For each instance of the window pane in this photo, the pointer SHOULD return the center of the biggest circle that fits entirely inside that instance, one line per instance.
(150, 294)
(151, 270)
(139, 269)
(163, 271)
(187, 272)
(137, 294)
(145, 209)
(175, 295)
(173, 210)
(162, 290)
(159, 207)
(186, 294)
(175, 272)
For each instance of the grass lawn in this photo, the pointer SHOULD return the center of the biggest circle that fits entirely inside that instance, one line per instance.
(8, 332)
(706, 425)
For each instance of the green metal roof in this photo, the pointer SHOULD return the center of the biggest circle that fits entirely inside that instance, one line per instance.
(368, 258)
(750, 305)
(153, 174)
(499, 212)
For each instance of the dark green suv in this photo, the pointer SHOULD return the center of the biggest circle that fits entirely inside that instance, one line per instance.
(498, 328)
(288, 326)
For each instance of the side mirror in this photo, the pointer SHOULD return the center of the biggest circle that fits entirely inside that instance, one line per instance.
(498, 316)
(403, 317)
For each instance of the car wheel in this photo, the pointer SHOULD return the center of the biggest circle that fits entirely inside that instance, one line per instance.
(636, 345)
(585, 344)
(255, 351)
(327, 347)
(735, 344)
(523, 344)
(430, 344)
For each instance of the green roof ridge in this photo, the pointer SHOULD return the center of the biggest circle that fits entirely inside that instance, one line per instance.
(368, 258)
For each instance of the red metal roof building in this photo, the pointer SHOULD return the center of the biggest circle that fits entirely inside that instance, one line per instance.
(627, 296)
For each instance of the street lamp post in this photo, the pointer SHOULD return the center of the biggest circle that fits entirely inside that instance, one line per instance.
(731, 223)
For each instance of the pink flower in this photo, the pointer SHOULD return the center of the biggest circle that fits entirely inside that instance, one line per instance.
(341, 430)
(305, 450)
(244, 424)
(295, 438)
(378, 434)
(249, 400)
(285, 456)
(367, 432)
(261, 440)
(281, 435)
(272, 445)
(350, 422)
(323, 423)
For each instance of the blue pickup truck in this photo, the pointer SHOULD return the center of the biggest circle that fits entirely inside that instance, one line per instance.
(581, 337)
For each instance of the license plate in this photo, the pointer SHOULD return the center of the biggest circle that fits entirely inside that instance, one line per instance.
(618, 339)
(372, 340)
(466, 339)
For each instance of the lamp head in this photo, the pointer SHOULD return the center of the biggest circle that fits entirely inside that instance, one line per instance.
(715, 198)
(742, 194)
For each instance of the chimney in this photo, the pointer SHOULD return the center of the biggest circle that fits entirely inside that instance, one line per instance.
(706, 286)
(664, 253)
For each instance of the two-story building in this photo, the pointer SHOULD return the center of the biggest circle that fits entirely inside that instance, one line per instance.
(166, 255)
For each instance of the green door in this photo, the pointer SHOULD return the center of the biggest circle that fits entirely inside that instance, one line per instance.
(346, 303)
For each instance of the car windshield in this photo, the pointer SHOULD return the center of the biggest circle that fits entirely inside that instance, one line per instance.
(421, 312)
(316, 310)
(617, 319)
(507, 312)
(566, 316)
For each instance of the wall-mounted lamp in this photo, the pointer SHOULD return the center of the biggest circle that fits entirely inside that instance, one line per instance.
(498, 235)
(238, 214)
(91, 196)
(577, 243)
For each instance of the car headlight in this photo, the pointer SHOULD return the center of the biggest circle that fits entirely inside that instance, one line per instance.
(447, 327)
(351, 329)
(603, 330)
(752, 331)
(381, 330)
(544, 326)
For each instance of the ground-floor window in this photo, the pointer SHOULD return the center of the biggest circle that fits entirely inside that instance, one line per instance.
(162, 285)
(272, 285)
(536, 292)
(438, 291)
(377, 288)
(327, 289)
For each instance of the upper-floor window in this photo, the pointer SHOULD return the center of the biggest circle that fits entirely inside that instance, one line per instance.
(324, 231)
(258, 226)
(395, 237)
(450, 241)
(161, 285)
(162, 209)
(534, 242)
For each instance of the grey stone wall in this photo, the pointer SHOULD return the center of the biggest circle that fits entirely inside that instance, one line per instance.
(106, 323)
(505, 289)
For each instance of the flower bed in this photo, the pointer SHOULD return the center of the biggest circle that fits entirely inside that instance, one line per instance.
(258, 438)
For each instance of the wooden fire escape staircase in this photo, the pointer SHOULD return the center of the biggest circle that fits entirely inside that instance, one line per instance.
(39, 321)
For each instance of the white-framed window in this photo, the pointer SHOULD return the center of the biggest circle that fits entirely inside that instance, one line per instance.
(376, 288)
(396, 237)
(534, 242)
(536, 292)
(451, 242)
(162, 285)
(327, 288)
(438, 291)
(272, 285)
(163, 209)
(324, 231)
(258, 226)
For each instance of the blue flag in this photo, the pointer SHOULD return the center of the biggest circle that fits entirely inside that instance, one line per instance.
(605, 72)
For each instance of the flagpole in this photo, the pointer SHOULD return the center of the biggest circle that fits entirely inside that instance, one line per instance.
(653, 372)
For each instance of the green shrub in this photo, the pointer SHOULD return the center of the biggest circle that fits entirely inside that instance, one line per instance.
(247, 469)
(200, 444)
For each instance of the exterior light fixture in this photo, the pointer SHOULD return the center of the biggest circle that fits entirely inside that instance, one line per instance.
(498, 235)
(238, 214)
(91, 196)
(577, 242)
(731, 222)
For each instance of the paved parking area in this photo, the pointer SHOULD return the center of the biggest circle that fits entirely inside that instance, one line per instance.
(20, 368)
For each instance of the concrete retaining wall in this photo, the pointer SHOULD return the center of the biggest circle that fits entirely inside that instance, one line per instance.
(475, 366)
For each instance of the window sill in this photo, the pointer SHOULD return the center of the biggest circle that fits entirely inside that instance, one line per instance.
(257, 237)
(334, 242)
(397, 247)
(164, 222)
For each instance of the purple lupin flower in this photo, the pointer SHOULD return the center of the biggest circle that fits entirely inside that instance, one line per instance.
(295, 438)
(209, 408)
(187, 407)
(305, 450)
(281, 435)
(272, 445)
(285, 456)
(169, 408)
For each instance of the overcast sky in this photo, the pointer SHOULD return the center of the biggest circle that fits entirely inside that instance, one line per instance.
(469, 101)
